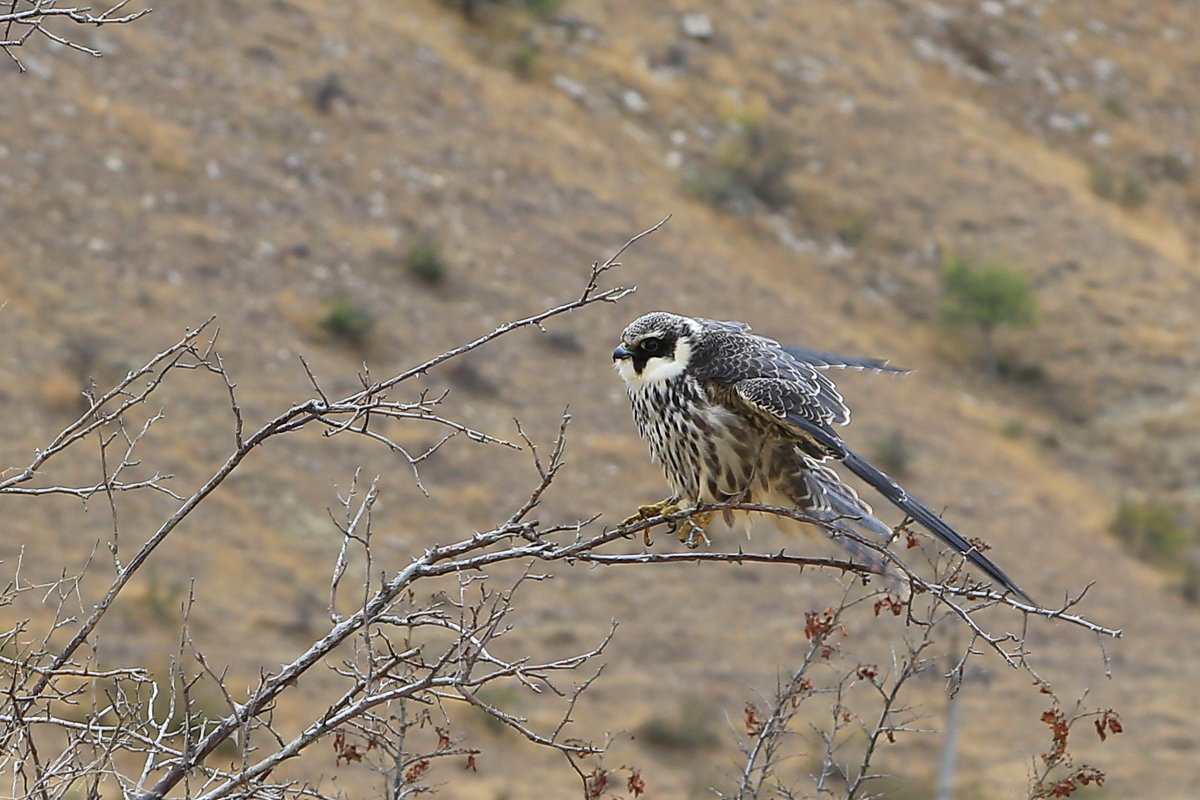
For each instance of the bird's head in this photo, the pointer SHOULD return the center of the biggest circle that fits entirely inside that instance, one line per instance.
(655, 347)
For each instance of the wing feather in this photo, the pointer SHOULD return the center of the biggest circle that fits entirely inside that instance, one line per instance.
(822, 360)
(798, 412)
(730, 358)
(724, 324)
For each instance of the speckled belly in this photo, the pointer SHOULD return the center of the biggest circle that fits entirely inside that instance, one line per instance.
(707, 453)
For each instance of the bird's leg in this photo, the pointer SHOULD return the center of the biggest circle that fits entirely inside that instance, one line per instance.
(662, 508)
(691, 531)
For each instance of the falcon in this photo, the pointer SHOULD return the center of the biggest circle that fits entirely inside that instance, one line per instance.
(732, 417)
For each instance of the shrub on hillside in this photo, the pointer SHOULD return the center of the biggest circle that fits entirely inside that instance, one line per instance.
(1189, 587)
(523, 61)
(1152, 532)
(425, 262)
(690, 730)
(854, 231)
(894, 454)
(754, 166)
(1122, 188)
(543, 8)
(348, 322)
(986, 296)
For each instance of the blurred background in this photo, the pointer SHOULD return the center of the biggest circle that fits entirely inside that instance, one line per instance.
(999, 195)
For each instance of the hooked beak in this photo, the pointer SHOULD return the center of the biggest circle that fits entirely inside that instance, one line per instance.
(621, 353)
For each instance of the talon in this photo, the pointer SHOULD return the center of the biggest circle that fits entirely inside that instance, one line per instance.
(652, 510)
(658, 509)
(690, 531)
(661, 508)
(693, 530)
(672, 525)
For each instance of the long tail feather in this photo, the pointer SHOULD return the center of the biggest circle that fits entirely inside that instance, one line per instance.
(822, 360)
(928, 519)
(817, 490)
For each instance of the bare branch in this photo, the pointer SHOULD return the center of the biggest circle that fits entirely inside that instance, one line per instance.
(403, 653)
(24, 18)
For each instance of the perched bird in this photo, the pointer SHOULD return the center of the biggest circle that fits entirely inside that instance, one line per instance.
(735, 417)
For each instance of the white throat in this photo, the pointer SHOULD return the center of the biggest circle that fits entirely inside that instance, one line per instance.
(657, 370)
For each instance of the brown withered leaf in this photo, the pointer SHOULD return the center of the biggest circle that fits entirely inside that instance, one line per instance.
(754, 725)
(1084, 776)
(1109, 721)
(414, 772)
(597, 780)
(347, 751)
(891, 604)
(1060, 729)
(818, 625)
(801, 688)
(979, 544)
(1064, 788)
(635, 785)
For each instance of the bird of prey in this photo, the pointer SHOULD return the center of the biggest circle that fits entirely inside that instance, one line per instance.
(735, 417)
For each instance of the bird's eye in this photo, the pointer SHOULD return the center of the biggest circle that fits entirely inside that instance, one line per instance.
(651, 345)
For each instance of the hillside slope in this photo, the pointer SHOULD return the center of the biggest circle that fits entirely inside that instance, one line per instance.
(260, 161)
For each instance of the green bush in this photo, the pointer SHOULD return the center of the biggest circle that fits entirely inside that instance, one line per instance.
(347, 321)
(971, 42)
(756, 165)
(691, 729)
(425, 262)
(1175, 167)
(895, 454)
(164, 603)
(542, 8)
(986, 296)
(1013, 429)
(1189, 588)
(854, 230)
(524, 60)
(1114, 106)
(1021, 372)
(1123, 188)
(1152, 532)
(504, 698)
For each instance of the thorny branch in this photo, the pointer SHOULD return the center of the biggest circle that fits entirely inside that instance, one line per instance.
(26, 18)
(403, 664)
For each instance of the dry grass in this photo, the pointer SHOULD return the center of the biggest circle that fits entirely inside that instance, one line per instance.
(527, 187)
(165, 145)
(61, 393)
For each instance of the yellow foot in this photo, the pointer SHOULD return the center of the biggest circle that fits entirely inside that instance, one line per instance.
(691, 530)
(653, 510)
(661, 508)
